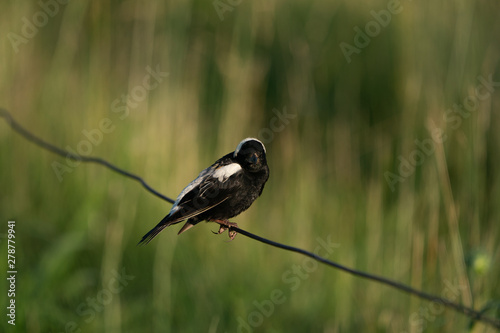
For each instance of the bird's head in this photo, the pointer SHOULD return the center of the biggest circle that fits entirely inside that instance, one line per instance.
(251, 155)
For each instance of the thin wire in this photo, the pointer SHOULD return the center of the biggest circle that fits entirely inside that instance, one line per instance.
(56, 150)
(473, 314)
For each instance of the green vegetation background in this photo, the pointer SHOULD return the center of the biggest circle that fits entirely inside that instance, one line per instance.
(227, 78)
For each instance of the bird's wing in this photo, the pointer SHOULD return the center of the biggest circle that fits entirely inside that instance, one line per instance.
(190, 205)
(187, 211)
(207, 191)
(167, 220)
(210, 191)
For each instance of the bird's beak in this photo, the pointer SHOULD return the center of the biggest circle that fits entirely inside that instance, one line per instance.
(252, 159)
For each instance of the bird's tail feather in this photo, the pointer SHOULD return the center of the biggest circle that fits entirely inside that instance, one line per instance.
(156, 230)
(151, 234)
(188, 225)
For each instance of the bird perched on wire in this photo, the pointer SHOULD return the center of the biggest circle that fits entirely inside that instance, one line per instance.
(221, 191)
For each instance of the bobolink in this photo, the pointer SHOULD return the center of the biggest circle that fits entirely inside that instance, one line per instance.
(221, 191)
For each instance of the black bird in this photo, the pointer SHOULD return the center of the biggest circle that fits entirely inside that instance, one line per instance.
(221, 191)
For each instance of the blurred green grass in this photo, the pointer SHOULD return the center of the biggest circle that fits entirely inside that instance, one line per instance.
(226, 80)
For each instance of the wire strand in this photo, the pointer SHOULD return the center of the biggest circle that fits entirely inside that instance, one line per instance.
(473, 314)
(56, 150)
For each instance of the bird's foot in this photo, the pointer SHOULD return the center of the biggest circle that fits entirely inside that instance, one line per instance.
(232, 234)
(225, 225)
(221, 230)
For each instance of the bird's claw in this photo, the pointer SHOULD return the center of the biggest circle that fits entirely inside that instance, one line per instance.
(232, 234)
(222, 228)
(225, 225)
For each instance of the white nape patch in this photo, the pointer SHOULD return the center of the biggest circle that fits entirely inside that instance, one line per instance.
(226, 171)
(245, 141)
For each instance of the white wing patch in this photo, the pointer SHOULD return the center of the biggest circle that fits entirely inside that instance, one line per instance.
(222, 174)
(226, 171)
(201, 177)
